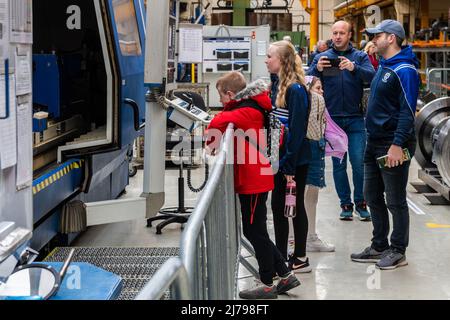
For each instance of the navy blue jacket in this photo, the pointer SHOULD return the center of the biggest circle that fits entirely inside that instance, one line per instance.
(275, 81)
(393, 99)
(297, 150)
(343, 93)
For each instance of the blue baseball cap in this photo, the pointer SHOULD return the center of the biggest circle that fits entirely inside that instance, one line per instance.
(388, 26)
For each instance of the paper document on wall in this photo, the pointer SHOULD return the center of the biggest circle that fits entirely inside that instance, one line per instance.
(3, 111)
(25, 149)
(23, 83)
(262, 48)
(190, 43)
(8, 138)
(4, 29)
(21, 21)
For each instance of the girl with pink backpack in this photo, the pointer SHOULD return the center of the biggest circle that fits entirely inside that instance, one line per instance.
(326, 139)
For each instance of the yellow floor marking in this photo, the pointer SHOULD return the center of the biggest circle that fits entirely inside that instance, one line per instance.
(438, 226)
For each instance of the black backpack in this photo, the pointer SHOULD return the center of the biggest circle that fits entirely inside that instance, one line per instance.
(276, 132)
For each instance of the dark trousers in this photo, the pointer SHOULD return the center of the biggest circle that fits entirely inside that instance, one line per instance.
(300, 222)
(393, 183)
(254, 223)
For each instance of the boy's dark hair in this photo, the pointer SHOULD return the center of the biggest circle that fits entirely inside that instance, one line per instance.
(233, 81)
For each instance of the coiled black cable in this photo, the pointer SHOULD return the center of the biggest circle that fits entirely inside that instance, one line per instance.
(189, 179)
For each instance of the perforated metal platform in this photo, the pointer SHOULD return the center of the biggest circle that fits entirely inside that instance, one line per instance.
(134, 265)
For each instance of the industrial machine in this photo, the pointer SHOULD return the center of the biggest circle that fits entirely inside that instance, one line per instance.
(93, 94)
(87, 62)
(16, 221)
(88, 103)
(433, 150)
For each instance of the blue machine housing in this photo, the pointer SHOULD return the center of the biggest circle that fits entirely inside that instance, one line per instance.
(132, 75)
(53, 80)
(46, 83)
(105, 168)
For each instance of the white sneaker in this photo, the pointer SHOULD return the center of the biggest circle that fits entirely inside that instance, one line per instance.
(314, 244)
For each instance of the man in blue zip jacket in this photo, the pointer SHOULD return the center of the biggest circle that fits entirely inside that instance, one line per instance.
(390, 127)
(343, 90)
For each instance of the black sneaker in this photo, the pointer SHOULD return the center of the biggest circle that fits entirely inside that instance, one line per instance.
(287, 283)
(260, 291)
(392, 260)
(299, 266)
(368, 255)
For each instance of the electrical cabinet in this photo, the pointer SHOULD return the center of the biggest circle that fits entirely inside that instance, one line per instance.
(226, 54)
(228, 49)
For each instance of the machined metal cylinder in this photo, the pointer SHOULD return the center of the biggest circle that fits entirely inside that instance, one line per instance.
(441, 150)
(428, 119)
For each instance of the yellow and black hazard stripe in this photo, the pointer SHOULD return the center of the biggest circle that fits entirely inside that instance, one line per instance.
(57, 175)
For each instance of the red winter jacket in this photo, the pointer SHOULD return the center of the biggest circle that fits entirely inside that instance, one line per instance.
(248, 178)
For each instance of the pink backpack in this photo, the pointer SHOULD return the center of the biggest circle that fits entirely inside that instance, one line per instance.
(336, 138)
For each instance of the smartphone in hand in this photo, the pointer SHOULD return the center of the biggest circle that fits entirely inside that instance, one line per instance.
(333, 69)
(382, 161)
(334, 62)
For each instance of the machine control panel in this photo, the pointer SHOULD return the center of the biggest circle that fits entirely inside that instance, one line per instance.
(186, 114)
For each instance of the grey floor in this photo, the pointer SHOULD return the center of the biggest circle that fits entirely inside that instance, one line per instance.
(334, 276)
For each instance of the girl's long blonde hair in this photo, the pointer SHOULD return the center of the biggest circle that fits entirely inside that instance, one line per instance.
(291, 70)
(369, 45)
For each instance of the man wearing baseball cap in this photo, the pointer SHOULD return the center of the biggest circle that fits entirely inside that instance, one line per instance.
(390, 130)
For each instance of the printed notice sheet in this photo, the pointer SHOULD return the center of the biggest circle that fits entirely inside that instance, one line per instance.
(262, 48)
(4, 29)
(25, 149)
(8, 138)
(23, 81)
(21, 21)
(3, 111)
(190, 43)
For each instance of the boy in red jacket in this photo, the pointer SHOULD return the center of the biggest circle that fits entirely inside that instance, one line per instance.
(243, 106)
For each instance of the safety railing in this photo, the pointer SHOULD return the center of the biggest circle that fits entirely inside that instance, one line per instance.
(172, 275)
(210, 244)
(207, 268)
(438, 81)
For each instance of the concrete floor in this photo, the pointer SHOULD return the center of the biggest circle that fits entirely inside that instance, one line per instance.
(334, 276)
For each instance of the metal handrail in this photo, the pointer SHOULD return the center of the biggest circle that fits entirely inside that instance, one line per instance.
(195, 222)
(195, 229)
(198, 273)
(172, 274)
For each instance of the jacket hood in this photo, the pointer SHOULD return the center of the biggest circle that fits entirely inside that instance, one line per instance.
(257, 91)
(406, 55)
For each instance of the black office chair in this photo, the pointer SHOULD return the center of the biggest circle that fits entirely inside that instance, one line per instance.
(181, 213)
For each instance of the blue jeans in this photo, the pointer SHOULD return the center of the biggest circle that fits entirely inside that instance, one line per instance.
(355, 129)
(393, 183)
(316, 168)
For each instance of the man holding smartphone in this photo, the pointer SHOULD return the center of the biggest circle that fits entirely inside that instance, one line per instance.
(390, 128)
(343, 70)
